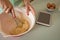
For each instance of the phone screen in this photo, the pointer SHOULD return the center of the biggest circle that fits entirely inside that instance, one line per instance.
(44, 19)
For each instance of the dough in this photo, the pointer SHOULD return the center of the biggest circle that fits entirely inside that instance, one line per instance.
(7, 23)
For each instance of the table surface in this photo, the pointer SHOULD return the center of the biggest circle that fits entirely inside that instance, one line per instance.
(40, 32)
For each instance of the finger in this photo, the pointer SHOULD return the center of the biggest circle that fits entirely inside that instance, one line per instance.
(13, 13)
(7, 10)
(27, 9)
(32, 9)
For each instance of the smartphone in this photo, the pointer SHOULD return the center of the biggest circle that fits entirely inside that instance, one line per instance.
(44, 18)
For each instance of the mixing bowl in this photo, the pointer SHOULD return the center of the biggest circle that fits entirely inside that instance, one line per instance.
(30, 18)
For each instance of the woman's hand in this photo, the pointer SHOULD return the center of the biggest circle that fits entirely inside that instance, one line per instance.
(29, 7)
(7, 7)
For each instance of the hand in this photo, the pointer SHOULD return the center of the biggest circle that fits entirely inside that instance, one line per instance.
(29, 7)
(7, 7)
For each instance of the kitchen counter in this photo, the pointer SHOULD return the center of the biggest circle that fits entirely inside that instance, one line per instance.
(40, 32)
